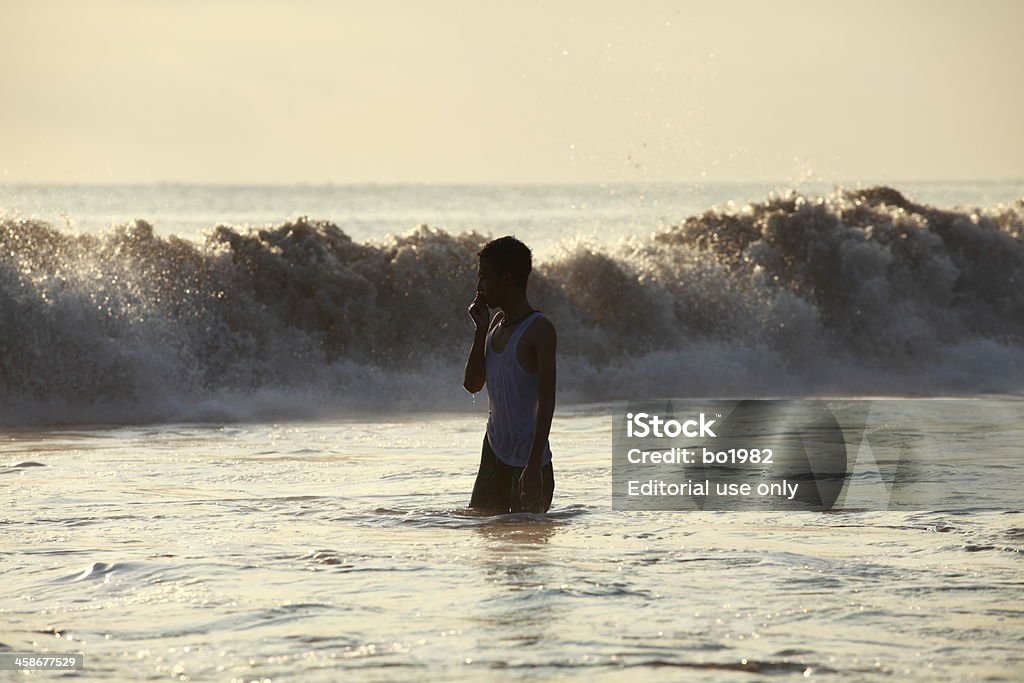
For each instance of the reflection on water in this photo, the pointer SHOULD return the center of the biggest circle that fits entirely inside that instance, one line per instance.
(312, 552)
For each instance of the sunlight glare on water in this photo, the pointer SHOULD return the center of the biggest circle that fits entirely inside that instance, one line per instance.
(307, 549)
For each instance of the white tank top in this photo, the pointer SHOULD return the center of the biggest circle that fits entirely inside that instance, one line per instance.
(512, 398)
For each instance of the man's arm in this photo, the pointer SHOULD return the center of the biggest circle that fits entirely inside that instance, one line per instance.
(473, 378)
(547, 341)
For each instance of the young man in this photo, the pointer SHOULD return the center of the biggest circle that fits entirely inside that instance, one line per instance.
(514, 355)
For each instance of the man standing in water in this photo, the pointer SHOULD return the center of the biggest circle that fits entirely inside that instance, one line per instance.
(514, 354)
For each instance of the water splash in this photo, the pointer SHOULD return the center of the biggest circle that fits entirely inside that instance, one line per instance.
(861, 291)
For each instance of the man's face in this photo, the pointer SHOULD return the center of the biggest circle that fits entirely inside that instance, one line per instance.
(489, 285)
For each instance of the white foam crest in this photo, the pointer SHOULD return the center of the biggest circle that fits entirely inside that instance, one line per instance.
(862, 291)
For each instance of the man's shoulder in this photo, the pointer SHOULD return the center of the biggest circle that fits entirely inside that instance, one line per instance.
(544, 322)
(542, 329)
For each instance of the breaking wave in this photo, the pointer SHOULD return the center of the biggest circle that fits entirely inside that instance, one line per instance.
(855, 292)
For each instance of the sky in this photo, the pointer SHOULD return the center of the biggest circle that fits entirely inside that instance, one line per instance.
(510, 92)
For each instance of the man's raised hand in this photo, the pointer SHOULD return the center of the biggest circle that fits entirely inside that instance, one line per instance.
(478, 312)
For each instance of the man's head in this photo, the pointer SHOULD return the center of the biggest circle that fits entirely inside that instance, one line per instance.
(505, 265)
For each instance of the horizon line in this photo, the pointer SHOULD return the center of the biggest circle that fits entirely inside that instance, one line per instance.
(515, 183)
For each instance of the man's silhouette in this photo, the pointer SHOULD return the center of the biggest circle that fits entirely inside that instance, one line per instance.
(514, 355)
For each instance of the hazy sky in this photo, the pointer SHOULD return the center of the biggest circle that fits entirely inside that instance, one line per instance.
(510, 91)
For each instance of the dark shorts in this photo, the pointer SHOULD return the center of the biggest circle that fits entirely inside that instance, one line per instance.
(496, 484)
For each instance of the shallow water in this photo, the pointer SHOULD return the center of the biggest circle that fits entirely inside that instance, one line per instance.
(317, 550)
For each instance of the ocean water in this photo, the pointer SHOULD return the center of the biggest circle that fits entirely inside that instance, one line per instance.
(318, 551)
(246, 454)
(542, 215)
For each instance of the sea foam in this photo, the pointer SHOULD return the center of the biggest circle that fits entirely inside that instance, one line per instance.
(853, 292)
